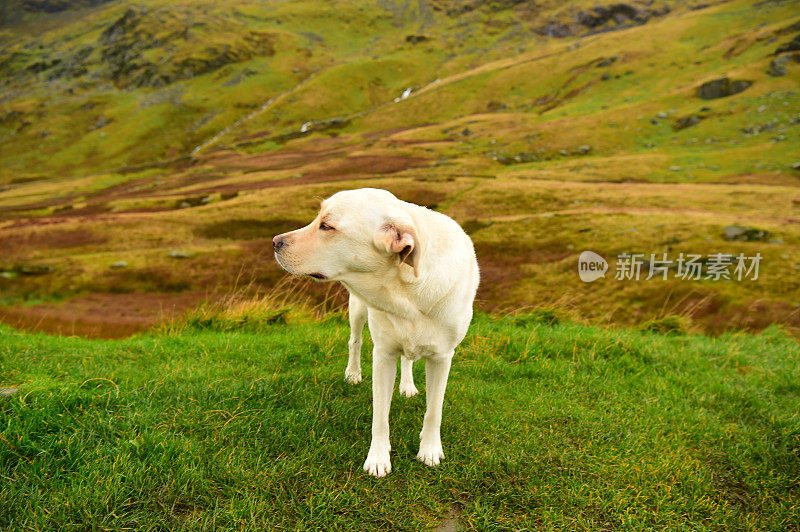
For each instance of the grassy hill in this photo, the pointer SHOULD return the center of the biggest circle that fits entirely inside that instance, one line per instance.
(129, 130)
(247, 424)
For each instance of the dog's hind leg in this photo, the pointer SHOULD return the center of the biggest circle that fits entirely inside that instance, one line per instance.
(358, 317)
(430, 445)
(407, 387)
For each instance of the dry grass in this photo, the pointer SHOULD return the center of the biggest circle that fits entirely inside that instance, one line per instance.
(642, 185)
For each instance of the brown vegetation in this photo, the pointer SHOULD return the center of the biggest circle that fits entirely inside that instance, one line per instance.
(100, 315)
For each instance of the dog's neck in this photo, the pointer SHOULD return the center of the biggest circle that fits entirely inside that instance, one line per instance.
(392, 298)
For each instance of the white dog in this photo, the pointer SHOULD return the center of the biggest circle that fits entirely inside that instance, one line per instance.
(415, 272)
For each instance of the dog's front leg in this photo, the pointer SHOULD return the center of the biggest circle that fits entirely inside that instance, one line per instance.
(357, 312)
(384, 369)
(430, 446)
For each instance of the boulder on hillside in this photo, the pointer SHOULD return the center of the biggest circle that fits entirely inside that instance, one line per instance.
(690, 120)
(744, 234)
(414, 39)
(619, 13)
(791, 46)
(777, 67)
(722, 87)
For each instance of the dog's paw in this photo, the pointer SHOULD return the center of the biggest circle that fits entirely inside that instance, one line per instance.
(378, 463)
(430, 454)
(353, 377)
(408, 389)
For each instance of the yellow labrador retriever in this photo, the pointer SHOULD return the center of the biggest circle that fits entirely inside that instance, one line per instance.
(412, 273)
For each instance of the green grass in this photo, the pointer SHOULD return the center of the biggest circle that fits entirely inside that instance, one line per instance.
(558, 426)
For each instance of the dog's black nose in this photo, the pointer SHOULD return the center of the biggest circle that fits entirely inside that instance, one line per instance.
(277, 242)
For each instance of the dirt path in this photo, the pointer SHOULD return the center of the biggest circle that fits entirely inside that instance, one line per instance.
(641, 211)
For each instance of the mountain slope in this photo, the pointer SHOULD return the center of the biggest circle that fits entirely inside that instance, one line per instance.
(131, 130)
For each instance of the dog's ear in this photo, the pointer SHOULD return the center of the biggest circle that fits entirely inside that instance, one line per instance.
(398, 235)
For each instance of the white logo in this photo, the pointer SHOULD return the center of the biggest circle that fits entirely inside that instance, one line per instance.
(591, 266)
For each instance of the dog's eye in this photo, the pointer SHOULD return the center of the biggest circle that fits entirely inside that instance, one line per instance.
(326, 227)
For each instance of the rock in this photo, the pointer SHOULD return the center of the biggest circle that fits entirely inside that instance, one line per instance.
(744, 234)
(675, 168)
(519, 158)
(687, 121)
(584, 149)
(606, 76)
(101, 122)
(608, 61)
(556, 29)
(414, 39)
(791, 46)
(662, 114)
(602, 18)
(619, 13)
(721, 88)
(8, 390)
(35, 269)
(118, 265)
(777, 240)
(193, 201)
(179, 254)
(796, 166)
(777, 67)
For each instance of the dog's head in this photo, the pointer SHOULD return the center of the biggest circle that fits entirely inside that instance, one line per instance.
(356, 232)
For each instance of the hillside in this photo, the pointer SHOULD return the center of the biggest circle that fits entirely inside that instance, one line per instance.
(547, 425)
(132, 133)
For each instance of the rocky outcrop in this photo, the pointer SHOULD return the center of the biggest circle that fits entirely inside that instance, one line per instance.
(722, 87)
(602, 18)
(124, 43)
(13, 10)
(791, 46)
(777, 66)
(744, 233)
(146, 47)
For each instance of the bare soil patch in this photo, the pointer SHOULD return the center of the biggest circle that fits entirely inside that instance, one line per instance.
(501, 266)
(101, 315)
(17, 244)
